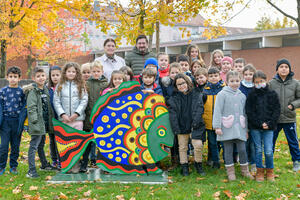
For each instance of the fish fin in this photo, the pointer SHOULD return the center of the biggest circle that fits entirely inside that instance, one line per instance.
(71, 143)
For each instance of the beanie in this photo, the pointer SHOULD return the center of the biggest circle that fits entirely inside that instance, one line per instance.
(283, 61)
(228, 59)
(151, 61)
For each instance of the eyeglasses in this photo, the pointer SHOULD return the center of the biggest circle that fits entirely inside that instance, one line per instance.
(180, 84)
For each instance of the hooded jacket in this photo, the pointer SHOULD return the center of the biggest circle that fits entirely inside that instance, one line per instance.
(156, 88)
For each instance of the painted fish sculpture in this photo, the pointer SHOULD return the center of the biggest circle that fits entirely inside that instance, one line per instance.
(131, 131)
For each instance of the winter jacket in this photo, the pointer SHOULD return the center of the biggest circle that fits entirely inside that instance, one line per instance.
(36, 123)
(185, 113)
(262, 106)
(156, 88)
(210, 92)
(229, 115)
(67, 101)
(289, 94)
(199, 88)
(136, 60)
(167, 85)
(94, 88)
(244, 89)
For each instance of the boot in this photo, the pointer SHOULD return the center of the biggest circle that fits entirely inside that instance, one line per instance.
(245, 171)
(231, 173)
(270, 175)
(260, 174)
(185, 169)
(199, 168)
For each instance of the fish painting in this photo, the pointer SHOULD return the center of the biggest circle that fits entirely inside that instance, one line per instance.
(131, 130)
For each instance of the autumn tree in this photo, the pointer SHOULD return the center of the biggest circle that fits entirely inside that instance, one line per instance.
(266, 23)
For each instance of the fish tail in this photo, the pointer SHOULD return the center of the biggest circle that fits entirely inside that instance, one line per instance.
(71, 143)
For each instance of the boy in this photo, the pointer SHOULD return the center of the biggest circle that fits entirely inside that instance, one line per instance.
(213, 87)
(163, 63)
(86, 71)
(239, 64)
(288, 90)
(201, 75)
(226, 66)
(95, 85)
(12, 102)
(183, 60)
(150, 63)
(149, 86)
(39, 113)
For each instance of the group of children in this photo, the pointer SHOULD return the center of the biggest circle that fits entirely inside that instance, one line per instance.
(228, 103)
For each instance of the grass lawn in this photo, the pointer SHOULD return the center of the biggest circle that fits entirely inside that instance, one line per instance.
(213, 186)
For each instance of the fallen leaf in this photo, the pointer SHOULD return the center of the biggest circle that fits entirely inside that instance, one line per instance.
(79, 189)
(17, 190)
(217, 195)
(120, 197)
(132, 198)
(243, 182)
(227, 193)
(32, 188)
(88, 193)
(241, 196)
(48, 178)
(200, 178)
(62, 196)
(225, 181)
(298, 185)
(198, 193)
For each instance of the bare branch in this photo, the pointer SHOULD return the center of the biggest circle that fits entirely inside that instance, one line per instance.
(237, 13)
(282, 12)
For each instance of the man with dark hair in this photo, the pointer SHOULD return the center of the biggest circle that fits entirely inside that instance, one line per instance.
(137, 57)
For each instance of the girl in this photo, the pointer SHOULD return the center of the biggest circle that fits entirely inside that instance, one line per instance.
(197, 64)
(186, 109)
(226, 66)
(86, 71)
(116, 79)
(54, 78)
(216, 58)
(193, 52)
(263, 111)
(127, 72)
(163, 63)
(71, 98)
(229, 122)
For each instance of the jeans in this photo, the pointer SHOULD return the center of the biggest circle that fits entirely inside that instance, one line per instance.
(212, 145)
(53, 148)
(93, 151)
(291, 136)
(263, 137)
(250, 148)
(9, 134)
(37, 143)
(228, 151)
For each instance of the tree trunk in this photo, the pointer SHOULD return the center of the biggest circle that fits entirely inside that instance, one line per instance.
(150, 42)
(3, 59)
(29, 61)
(157, 32)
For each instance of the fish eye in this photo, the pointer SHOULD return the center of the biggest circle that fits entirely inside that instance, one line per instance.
(161, 132)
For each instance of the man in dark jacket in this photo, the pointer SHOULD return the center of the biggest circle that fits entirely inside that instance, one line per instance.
(137, 57)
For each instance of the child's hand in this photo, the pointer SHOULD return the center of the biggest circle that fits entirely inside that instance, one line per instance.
(73, 117)
(148, 91)
(110, 89)
(265, 125)
(290, 107)
(65, 118)
(219, 131)
(247, 135)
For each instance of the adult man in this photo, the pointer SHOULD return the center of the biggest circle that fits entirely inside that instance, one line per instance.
(137, 57)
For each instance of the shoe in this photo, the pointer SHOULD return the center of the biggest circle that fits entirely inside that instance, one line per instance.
(199, 168)
(93, 163)
(32, 175)
(296, 166)
(2, 171)
(260, 174)
(13, 171)
(270, 175)
(82, 170)
(245, 171)
(216, 165)
(48, 167)
(253, 167)
(185, 169)
(209, 163)
(230, 173)
(54, 164)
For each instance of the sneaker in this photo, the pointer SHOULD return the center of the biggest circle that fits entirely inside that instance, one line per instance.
(253, 167)
(54, 164)
(82, 170)
(2, 171)
(93, 163)
(216, 165)
(296, 166)
(48, 167)
(13, 171)
(32, 175)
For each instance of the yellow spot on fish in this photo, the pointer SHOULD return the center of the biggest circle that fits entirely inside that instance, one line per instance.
(118, 159)
(113, 114)
(129, 109)
(108, 126)
(117, 121)
(123, 101)
(118, 101)
(102, 142)
(100, 129)
(110, 156)
(105, 119)
(118, 141)
(111, 139)
(129, 98)
(138, 96)
(124, 155)
(120, 133)
(124, 115)
(108, 145)
(117, 153)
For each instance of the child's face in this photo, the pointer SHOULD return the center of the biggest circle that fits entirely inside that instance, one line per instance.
(226, 66)
(117, 80)
(163, 61)
(214, 78)
(127, 76)
(86, 74)
(148, 80)
(173, 72)
(239, 67)
(283, 70)
(260, 82)
(184, 66)
(152, 67)
(40, 79)
(234, 82)
(181, 85)
(194, 53)
(248, 76)
(55, 76)
(97, 72)
(13, 79)
(201, 79)
(218, 58)
(195, 67)
(71, 73)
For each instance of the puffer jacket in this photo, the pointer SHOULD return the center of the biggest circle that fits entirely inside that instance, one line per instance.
(67, 101)
(289, 94)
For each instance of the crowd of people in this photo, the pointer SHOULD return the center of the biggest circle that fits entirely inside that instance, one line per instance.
(226, 102)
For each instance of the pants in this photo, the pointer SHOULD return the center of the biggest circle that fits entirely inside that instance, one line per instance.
(9, 135)
(37, 144)
(291, 136)
(250, 148)
(183, 140)
(93, 151)
(213, 145)
(263, 137)
(53, 148)
(228, 152)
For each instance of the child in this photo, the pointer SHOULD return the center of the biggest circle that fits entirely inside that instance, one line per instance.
(226, 66)
(116, 79)
(12, 102)
(239, 64)
(229, 122)
(86, 71)
(152, 64)
(149, 86)
(213, 87)
(95, 85)
(54, 78)
(39, 113)
(263, 111)
(216, 58)
(70, 99)
(288, 90)
(193, 52)
(186, 109)
(163, 63)
(196, 65)
(183, 60)
(128, 73)
(201, 75)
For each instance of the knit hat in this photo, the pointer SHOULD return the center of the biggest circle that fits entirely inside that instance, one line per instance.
(283, 61)
(151, 61)
(228, 59)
